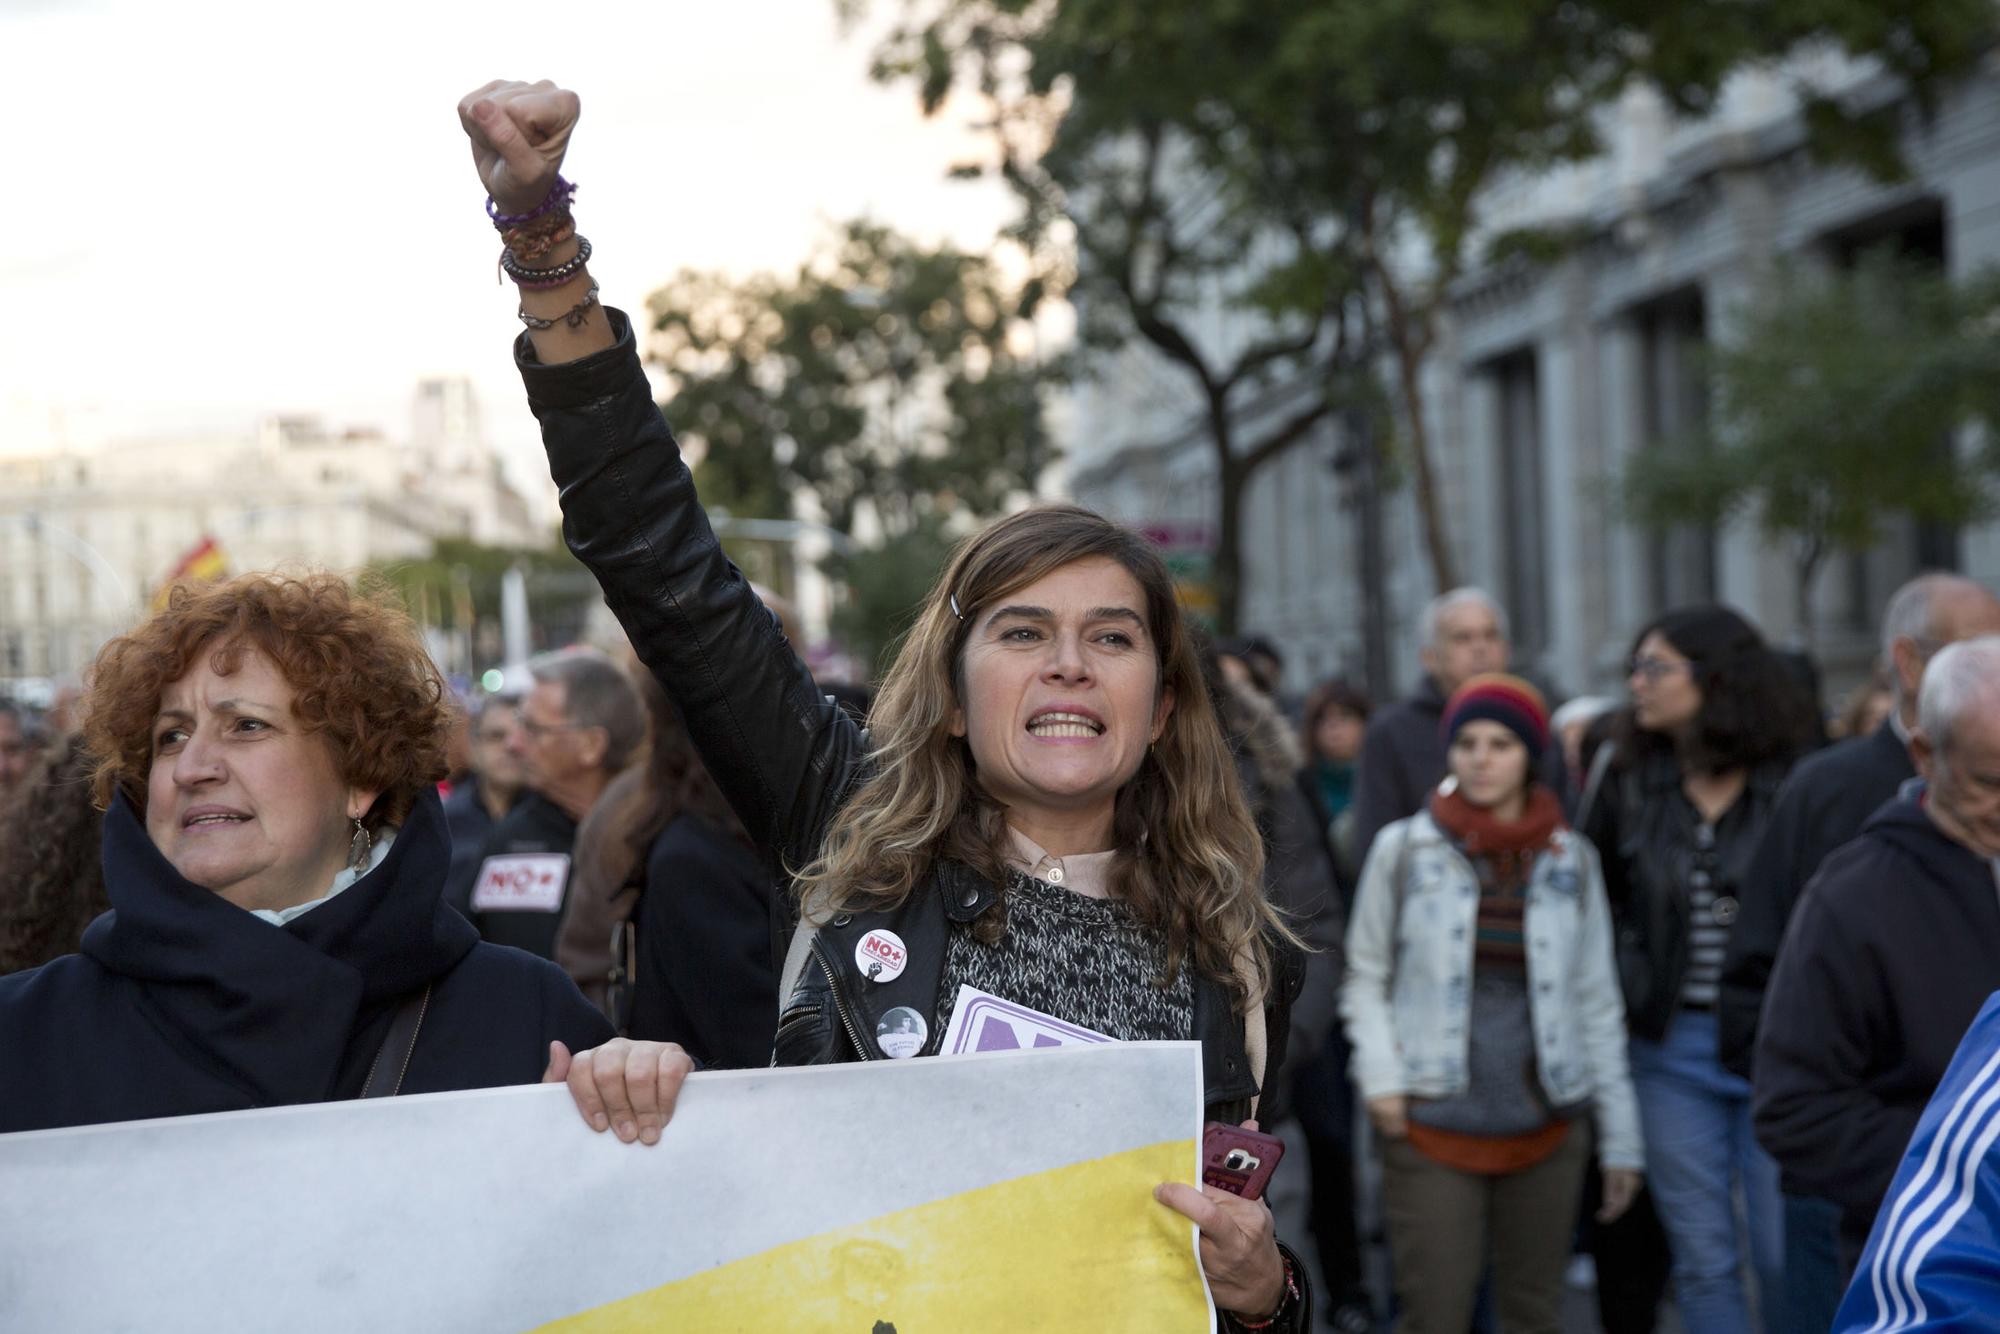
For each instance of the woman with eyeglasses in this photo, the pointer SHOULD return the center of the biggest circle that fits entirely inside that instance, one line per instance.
(1676, 805)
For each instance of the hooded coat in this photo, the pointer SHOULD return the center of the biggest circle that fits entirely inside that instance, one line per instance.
(181, 1003)
(1892, 951)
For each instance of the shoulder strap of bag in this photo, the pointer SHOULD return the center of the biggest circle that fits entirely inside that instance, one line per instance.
(392, 1062)
(1396, 887)
(1593, 785)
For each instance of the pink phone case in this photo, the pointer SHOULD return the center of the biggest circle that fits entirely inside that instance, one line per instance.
(1237, 1160)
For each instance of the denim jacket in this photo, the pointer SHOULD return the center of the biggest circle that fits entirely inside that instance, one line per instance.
(1407, 996)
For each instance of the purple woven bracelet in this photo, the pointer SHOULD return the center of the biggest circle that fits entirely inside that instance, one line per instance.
(559, 196)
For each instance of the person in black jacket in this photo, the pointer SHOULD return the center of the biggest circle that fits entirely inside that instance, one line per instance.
(485, 796)
(578, 727)
(670, 909)
(1823, 804)
(274, 852)
(1830, 795)
(1892, 951)
(1692, 777)
(1046, 807)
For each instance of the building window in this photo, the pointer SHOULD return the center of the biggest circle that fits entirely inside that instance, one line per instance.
(1680, 562)
(1517, 492)
(1915, 232)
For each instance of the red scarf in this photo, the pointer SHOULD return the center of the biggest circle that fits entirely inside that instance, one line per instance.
(1510, 848)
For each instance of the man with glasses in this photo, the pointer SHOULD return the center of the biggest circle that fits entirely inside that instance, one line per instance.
(492, 784)
(1894, 948)
(578, 726)
(1824, 804)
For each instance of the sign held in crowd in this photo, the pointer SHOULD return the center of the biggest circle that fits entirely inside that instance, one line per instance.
(999, 1193)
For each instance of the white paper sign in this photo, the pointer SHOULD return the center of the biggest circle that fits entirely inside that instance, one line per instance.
(521, 882)
(993, 1195)
(981, 1021)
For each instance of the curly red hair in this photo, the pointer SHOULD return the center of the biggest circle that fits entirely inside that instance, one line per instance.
(363, 678)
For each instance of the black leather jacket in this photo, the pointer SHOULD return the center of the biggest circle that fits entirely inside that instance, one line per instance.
(784, 754)
(1644, 829)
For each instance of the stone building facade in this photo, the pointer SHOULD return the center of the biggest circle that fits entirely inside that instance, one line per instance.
(1549, 377)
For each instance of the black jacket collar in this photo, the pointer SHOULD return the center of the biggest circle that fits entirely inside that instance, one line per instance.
(276, 1004)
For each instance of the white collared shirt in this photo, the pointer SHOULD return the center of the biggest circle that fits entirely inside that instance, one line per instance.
(1085, 873)
(348, 875)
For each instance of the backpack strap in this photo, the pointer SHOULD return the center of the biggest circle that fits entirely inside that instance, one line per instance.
(401, 1040)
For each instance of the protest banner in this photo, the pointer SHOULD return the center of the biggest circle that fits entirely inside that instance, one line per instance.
(1002, 1192)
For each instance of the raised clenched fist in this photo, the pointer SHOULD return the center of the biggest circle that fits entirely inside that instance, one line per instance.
(519, 132)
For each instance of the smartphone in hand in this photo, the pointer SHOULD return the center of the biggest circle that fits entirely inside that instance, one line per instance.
(1237, 1160)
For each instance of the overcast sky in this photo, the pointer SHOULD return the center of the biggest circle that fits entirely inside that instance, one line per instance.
(217, 209)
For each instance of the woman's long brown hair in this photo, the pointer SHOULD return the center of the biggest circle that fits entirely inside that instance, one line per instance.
(1190, 861)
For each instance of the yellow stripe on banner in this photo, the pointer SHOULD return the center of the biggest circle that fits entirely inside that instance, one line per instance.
(1082, 1247)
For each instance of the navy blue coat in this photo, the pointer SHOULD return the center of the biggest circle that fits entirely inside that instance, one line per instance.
(1890, 955)
(181, 1002)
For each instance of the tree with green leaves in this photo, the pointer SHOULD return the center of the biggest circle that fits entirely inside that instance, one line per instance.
(1134, 207)
(1351, 148)
(456, 589)
(899, 386)
(1836, 408)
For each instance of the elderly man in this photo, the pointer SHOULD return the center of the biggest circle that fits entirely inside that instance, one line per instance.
(1823, 804)
(576, 728)
(1894, 947)
(1829, 796)
(1402, 756)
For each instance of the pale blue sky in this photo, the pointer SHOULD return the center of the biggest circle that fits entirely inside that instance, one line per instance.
(220, 208)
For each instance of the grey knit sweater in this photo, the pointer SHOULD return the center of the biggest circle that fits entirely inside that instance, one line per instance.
(1080, 959)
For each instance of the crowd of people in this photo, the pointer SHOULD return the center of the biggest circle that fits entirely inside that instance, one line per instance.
(1654, 989)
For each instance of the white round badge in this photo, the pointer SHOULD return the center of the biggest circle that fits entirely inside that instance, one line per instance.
(881, 956)
(901, 1033)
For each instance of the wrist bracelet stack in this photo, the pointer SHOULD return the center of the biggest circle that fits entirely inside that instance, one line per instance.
(528, 238)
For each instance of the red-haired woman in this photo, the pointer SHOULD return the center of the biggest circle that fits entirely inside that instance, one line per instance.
(275, 853)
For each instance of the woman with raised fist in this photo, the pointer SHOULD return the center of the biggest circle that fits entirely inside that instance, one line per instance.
(1045, 807)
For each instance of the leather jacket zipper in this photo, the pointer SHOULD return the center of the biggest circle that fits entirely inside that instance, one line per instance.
(840, 1001)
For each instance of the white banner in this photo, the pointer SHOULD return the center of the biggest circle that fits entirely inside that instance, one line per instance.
(1005, 1192)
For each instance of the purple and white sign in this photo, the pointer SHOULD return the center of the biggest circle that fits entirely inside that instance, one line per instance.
(981, 1021)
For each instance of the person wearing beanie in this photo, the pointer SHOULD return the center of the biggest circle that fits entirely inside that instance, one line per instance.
(1483, 1006)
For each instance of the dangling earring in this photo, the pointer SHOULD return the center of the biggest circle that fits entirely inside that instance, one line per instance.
(360, 847)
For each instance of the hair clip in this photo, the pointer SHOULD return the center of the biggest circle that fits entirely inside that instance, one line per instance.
(953, 597)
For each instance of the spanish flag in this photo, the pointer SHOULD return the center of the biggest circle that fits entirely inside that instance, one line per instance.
(204, 564)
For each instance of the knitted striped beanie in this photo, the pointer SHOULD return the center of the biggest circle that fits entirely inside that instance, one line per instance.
(1507, 700)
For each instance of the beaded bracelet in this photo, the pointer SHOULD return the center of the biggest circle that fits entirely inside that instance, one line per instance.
(524, 276)
(1286, 1300)
(573, 317)
(559, 195)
